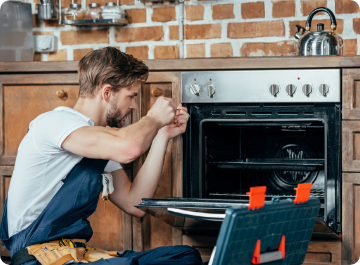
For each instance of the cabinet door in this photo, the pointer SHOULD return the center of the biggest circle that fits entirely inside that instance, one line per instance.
(149, 232)
(23, 98)
(5, 176)
(351, 94)
(351, 217)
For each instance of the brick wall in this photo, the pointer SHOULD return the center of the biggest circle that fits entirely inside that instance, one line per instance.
(211, 29)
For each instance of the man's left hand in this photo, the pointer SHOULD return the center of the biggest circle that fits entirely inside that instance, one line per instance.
(179, 125)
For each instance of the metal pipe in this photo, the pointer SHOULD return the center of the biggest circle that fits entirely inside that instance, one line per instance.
(181, 28)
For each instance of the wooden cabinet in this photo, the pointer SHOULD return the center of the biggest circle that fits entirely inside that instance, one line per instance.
(149, 232)
(23, 98)
(351, 166)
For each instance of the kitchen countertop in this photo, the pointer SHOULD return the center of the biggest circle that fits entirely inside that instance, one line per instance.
(201, 64)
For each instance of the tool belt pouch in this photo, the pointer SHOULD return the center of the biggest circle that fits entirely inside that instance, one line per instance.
(51, 253)
(95, 254)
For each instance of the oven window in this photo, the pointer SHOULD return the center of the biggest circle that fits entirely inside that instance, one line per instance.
(277, 154)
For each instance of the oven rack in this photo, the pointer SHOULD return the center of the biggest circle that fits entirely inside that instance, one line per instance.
(285, 194)
(271, 164)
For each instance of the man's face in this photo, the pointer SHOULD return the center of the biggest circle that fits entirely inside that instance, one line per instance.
(121, 105)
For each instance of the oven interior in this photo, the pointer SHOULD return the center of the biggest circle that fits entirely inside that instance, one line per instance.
(279, 155)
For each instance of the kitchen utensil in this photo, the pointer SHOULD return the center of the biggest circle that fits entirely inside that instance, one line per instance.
(94, 11)
(47, 11)
(112, 11)
(319, 42)
(75, 12)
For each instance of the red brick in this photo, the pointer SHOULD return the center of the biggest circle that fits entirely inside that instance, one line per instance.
(283, 8)
(166, 52)
(73, 37)
(163, 14)
(351, 47)
(346, 7)
(253, 10)
(194, 12)
(221, 50)
(255, 29)
(307, 6)
(326, 22)
(37, 57)
(174, 32)
(356, 25)
(205, 31)
(139, 52)
(139, 34)
(136, 15)
(195, 50)
(35, 21)
(225, 11)
(281, 48)
(80, 53)
(60, 55)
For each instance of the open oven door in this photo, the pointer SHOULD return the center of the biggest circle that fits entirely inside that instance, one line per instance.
(204, 216)
(190, 215)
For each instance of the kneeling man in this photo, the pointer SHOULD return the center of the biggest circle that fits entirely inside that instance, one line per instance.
(58, 171)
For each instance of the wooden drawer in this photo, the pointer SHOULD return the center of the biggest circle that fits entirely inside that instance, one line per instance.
(23, 98)
(351, 94)
(351, 146)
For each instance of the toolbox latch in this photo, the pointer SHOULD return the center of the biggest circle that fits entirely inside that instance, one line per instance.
(302, 192)
(256, 197)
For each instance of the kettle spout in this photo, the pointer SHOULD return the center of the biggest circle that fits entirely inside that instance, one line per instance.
(300, 32)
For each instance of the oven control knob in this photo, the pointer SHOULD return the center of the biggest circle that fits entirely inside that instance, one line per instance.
(324, 89)
(274, 89)
(290, 89)
(195, 89)
(307, 89)
(211, 90)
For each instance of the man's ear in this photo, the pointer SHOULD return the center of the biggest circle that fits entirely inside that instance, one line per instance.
(105, 91)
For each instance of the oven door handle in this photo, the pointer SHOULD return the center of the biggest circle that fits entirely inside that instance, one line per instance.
(216, 217)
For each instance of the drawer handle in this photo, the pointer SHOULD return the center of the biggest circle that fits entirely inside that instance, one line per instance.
(61, 93)
(157, 92)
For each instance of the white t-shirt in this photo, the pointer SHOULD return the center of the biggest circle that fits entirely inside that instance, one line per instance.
(41, 164)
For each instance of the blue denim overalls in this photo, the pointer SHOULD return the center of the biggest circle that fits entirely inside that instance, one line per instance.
(66, 217)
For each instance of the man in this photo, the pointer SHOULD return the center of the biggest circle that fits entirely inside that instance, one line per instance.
(57, 176)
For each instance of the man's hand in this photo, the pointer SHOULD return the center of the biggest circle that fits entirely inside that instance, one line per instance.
(179, 125)
(163, 111)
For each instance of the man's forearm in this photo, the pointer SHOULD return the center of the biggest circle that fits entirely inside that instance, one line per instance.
(147, 179)
(140, 134)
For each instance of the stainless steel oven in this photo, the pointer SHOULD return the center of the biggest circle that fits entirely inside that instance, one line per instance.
(274, 128)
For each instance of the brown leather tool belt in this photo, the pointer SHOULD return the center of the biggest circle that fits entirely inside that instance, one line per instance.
(61, 252)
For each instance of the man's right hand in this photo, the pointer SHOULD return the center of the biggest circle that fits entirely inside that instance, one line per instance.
(163, 111)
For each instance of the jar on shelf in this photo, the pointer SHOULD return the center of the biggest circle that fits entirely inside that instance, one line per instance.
(112, 11)
(75, 12)
(93, 12)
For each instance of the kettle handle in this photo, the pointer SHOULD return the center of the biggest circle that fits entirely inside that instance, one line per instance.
(319, 9)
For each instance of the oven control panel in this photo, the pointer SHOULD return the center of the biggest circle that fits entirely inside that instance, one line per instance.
(261, 86)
